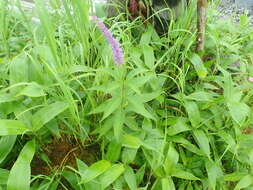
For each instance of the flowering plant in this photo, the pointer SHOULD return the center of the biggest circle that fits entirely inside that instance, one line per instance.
(116, 49)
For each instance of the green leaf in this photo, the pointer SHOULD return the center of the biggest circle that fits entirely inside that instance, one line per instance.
(20, 173)
(111, 175)
(4, 175)
(95, 170)
(149, 57)
(23, 114)
(128, 155)
(228, 85)
(71, 178)
(81, 166)
(193, 113)
(200, 96)
(6, 144)
(137, 106)
(167, 184)
(171, 159)
(236, 96)
(101, 108)
(214, 173)
(239, 111)
(113, 152)
(186, 144)
(130, 178)
(7, 97)
(146, 97)
(198, 65)
(119, 120)
(183, 174)
(189, 187)
(146, 36)
(32, 90)
(100, 9)
(44, 115)
(229, 140)
(12, 127)
(113, 105)
(108, 88)
(19, 69)
(180, 125)
(236, 176)
(138, 82)
(131, 141)
(140, 174)
(105, 127)
(202, 141)
(246, 181)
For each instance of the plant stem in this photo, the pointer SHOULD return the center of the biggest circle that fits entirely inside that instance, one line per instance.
(201, 24)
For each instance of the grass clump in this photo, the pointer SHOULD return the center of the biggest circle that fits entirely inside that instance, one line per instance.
(167, 118)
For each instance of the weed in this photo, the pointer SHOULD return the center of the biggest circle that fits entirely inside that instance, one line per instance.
(167, 118)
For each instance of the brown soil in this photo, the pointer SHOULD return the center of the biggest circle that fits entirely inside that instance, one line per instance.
(63, 152)
(248, 130)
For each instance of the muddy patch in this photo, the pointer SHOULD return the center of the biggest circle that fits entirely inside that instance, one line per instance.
(63, 152)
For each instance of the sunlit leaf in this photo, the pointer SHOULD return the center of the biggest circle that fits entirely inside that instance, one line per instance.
(140, 174)
(199, 66)
(239, 111)
(131, 141)
(20, 173)
(150, 96)
(12, 127)
(119, 119)
(4, 175)
(200, 96)
(149, 58)
(202, 141)
(19, 70)
(128, 155)
(47, 113)
(183, 174)
(72, 178)
(246, 181)
(186, 144)
(214, 173)
(7, 97)
(113, 151)
(180, 125)
(32, 90)
(130, 178)
(137, 105)
(95, 170)
(146, 36)
(193, 113)
(112, 106)
(111, 175)
(6, 144)
(167, 184)
(171, 159)
(236, 176)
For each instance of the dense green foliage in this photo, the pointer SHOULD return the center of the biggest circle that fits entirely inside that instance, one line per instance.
(166, 119)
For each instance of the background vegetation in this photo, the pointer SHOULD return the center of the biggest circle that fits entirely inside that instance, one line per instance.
(166, 119)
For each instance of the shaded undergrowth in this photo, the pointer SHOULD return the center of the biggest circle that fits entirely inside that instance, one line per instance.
(167, 118)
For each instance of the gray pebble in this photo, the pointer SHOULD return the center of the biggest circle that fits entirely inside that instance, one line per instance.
(235, 8)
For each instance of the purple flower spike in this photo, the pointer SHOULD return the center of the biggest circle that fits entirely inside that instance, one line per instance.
(250, 79)
(116, 49)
